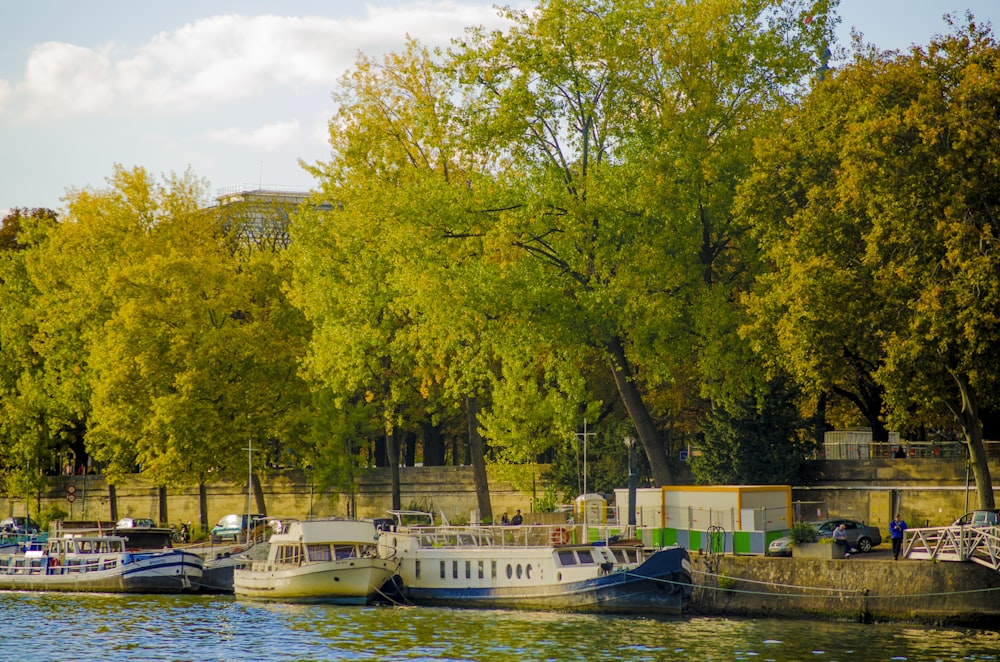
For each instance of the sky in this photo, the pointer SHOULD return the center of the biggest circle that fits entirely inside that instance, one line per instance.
(240, 91)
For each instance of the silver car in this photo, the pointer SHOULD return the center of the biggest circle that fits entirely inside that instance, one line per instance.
(978, 517)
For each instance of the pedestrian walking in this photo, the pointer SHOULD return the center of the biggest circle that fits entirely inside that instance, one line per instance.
(896, 528)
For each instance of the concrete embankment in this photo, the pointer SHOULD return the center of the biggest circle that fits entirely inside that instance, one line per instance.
(875, 589)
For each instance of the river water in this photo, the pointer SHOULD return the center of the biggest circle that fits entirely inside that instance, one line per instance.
(47, 626)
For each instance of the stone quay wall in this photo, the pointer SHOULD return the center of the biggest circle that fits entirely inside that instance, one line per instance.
(853, 589)
(287, 494)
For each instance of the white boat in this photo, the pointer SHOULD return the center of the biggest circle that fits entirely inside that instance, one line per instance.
(533, 567)
(98, 563)
(323, 560)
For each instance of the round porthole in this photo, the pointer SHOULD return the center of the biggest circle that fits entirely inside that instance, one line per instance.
(518, 570)
(558, 576)
(527, 571)
(510, 571)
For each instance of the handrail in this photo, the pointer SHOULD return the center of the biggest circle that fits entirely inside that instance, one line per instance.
(521, 535)
(976, 543)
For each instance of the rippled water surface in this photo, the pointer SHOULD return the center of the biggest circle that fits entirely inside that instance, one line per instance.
(38, 626)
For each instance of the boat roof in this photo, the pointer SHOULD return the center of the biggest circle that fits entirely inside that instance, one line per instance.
(333, 530)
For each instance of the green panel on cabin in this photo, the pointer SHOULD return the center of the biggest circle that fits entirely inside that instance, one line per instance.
(774, 535)
(742, 542)
(694, 542)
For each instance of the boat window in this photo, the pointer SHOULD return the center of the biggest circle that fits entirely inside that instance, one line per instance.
(468, 569)
(510, 571)
(320, 552)
(527, 571)
(454, 569)
(493, 569)
(585, 556)
(443, 572)
(289, 554)
(520, 571)
(416, 568)
(345, 551)
(566, 557)
(480, 569)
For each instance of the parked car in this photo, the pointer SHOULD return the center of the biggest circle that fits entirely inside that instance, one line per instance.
(19, 525)
(780, 546)
(859, 536)
(235, 526)
(130, 523)
(979, 517)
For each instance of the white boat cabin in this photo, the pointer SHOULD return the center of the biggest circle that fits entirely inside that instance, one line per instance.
(317, 541)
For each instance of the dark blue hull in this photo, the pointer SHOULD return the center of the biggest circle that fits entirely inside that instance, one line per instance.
(659, 586)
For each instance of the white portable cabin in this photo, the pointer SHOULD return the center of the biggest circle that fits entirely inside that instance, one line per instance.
(740, 519)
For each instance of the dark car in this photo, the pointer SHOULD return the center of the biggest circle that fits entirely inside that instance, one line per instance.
(979, 517)
(859, 536)
(19, 525)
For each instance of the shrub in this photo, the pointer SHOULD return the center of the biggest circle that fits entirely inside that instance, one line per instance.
(804, 532)
(51, 513)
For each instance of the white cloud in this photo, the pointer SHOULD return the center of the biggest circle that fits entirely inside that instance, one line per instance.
(224, 58)
(63, 79)
(268, 137)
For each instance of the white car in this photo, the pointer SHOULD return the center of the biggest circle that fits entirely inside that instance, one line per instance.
(780, 546)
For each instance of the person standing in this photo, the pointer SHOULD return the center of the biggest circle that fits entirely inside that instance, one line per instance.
(896, 528)
(517, 519)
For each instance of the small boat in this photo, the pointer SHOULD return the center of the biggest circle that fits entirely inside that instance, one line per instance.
(100, 564)
(322, 560)
(533, 567)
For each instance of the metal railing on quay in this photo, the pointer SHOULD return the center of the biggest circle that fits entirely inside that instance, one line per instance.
(976, 543)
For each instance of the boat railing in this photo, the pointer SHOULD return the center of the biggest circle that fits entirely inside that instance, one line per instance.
(522, 535)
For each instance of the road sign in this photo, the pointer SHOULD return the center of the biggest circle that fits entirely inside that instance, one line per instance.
(71, 489)
(71, 497)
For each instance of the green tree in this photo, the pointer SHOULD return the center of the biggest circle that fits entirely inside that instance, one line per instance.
(386, 300)
(754, 441)
(199, 358)
(618, 131)
(34, 435)
(876, 209)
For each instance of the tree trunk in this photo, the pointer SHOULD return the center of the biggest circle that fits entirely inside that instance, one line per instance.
(164, 515)
(113, 501)
(392, 450)
(968, 417)
(203, 506)
(258, 495)
(477, 452)
(410, 450)
(652, 443)
(381, 452)
(433, 445)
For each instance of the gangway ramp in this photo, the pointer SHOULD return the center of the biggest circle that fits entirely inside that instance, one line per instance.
(977, 543)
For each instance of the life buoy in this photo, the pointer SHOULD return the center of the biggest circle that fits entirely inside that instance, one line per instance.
(559, 536)
(53, 563)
